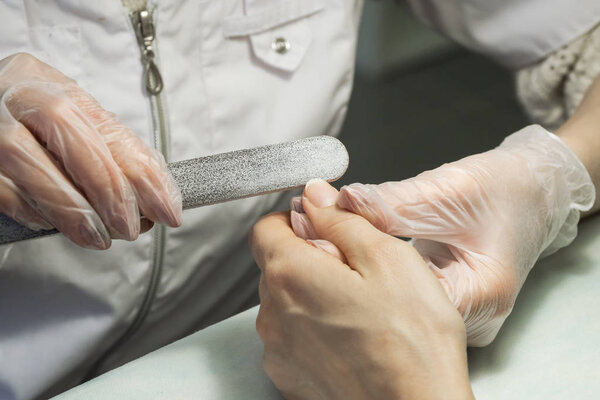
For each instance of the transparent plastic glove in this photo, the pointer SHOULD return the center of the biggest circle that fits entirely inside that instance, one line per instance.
(65, 162)
(481, 222)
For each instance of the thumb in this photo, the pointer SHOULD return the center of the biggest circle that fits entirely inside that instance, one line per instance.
(353, 235)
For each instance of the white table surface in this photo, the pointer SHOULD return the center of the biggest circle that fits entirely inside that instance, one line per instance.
(549, 348)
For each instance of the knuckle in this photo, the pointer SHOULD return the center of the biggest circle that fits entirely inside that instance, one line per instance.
(25, 60)
(254, 233)
(262, 239)
(265, 223)
(105, 120)
(58, 109)
(258, 230)
(265, 328)
(277, 278)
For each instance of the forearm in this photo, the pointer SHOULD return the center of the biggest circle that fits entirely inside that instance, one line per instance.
(582, 134)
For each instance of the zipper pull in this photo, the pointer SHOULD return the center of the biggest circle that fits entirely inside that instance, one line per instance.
(144, 30)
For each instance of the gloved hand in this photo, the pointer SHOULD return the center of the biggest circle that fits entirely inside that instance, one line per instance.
(480, 222)
(65, 162)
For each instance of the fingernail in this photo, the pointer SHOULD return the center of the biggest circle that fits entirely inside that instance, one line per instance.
(320, 193)
(125, 225)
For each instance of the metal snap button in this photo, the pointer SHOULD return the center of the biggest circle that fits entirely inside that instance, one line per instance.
(281, 45)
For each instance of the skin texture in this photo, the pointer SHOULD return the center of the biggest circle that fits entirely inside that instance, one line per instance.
(65, 162)
(367, 328)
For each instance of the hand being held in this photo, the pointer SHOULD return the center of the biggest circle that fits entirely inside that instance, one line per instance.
(480, 222)
(65, 162)
(377, 326)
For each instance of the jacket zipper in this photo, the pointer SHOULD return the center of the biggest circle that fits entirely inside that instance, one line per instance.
(143, 24)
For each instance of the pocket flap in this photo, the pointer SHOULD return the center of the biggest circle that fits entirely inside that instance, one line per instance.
(279, 33)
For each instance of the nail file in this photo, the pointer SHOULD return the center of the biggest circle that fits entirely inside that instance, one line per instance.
(235, 175)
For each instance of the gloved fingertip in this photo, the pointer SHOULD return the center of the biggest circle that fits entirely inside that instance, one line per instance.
(175, 211)
(351, 197)
(366, 201)
(170, 212)
(302, 226)
(164, 206)
(175, 204)
(93, 238)
(296, 204)
(125, 226)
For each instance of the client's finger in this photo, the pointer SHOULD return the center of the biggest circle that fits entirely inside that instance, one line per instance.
(360, 242)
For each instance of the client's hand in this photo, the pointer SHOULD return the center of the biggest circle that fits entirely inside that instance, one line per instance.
(378, 326)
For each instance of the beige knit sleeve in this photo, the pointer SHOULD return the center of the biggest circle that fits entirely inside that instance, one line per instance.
(551, 90)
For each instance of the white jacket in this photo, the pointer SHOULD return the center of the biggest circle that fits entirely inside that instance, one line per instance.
(515, 33)
(63, 307)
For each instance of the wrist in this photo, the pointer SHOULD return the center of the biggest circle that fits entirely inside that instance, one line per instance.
(442, 373)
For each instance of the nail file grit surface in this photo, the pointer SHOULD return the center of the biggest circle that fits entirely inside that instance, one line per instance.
(237, 174)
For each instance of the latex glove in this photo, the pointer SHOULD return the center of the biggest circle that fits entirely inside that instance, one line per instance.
(377, 327)
(65, 162)
(481, 222)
